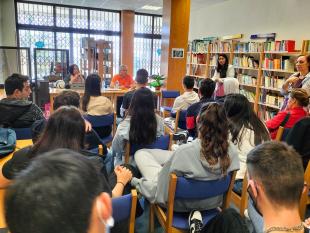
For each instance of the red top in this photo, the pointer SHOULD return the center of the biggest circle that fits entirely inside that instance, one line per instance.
(296, 114)
(124, 81)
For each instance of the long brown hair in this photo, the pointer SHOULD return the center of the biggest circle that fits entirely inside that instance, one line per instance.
(64, 129)
(213, 132)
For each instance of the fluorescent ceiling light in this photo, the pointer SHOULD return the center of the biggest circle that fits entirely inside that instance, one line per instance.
(151, 8)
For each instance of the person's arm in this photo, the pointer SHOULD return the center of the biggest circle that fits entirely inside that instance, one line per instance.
(275, 122)
(306, 85)
(292, 79)
(112, 83)
(36, 112)
(123, 176)
(177, 104)
(190, 122)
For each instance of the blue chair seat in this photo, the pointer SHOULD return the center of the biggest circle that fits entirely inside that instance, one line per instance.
(107, 139)
(166, 108)
(180, 220)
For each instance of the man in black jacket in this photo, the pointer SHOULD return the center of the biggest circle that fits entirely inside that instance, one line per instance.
(16, 110)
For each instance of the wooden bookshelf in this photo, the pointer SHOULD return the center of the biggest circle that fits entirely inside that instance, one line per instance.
(268, 56)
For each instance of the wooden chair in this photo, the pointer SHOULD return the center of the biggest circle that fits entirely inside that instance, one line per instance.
(305, 199)
(124, 207)
(163, 97)
(179, 122)
(279, 133)
(241, 201)
(182, 188)
(163, 142)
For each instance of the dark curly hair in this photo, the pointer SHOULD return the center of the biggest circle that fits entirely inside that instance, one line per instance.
(213, 131)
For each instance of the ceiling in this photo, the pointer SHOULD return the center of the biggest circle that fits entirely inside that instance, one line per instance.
(134, 5)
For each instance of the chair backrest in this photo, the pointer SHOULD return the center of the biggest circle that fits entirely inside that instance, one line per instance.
(100, 121)
(124, 207)
(23, 133)
(169, 94)
(197, 189)
(161, 143)
(181, 120)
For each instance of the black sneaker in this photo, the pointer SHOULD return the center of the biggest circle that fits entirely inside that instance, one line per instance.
(195, 222)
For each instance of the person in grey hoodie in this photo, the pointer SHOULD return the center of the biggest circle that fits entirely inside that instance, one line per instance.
(209, 157)
(16, 110)
(188, 98)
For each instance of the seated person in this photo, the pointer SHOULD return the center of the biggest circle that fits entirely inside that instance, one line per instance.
(246, 131)
(69, 98)
(123, 79)
(188, 98)
(16, 110)
(298, 99)
(276, 182)
(141, 82)
(93, 103)
(209, 157)
(62, 180)
(64, 129)
(230, 86)
(56, 73)
(74, 76)
(205, 92)
(141, 125)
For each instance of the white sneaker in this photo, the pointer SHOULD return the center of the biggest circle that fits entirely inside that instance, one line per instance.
(195, 222)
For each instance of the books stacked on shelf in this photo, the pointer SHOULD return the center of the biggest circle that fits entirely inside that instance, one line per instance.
(271, 100)
(248, 47)
(268, 114)
(249, 94)
(245, 61)
(283, 63)
(307, 46)
(246, 79)
(220, 47)
(279, 46)
(200, 46)
(272, 82)
(199, 58)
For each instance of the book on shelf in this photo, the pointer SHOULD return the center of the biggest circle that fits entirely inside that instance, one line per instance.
(272, 81)
(283, 63)
(248, 47)
(247, 79)
(279, 46)
(220, 47)
(269, 114)
(249, 94)
(244, 61)
(271, 99)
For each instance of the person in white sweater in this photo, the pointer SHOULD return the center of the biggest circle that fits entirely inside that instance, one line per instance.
(188, 98)
(246, 130)
(141, 125)
(223, 70)
(209, 157)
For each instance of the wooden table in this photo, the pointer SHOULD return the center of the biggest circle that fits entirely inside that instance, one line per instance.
(112, 94)
(19, 144)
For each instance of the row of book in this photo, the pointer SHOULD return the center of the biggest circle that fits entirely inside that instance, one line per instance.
(271, 99)
(249, 94)
(248, 47)
(280, 46)
(247, 79)
(283, 63)
(266, 115)
(246, 61)
(199, 58)
(199, 46)
(220, 47)
(273, 81)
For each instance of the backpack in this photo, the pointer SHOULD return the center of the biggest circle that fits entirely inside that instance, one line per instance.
(7, 141)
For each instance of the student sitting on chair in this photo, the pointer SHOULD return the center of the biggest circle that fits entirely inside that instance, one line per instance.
(208, 157)
(205, 92)
(141, 125)
(64, 129)
(298, 99)
(188, 98)
(60, 191)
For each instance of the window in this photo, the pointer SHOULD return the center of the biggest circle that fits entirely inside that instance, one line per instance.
(147, 42)
(62, 27)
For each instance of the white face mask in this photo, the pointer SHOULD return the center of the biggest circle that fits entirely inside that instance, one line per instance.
(109, 222)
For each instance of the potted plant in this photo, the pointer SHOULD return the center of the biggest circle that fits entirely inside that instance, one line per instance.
(158, 81)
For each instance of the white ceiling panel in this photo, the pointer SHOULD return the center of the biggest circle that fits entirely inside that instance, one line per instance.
(134, 5)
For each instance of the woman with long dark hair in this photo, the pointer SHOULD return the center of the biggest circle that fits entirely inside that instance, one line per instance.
(64, 129)
(223, 70)
(209, 157)
(96, 105)
(246, 130)
(141, 124)
(74, 75)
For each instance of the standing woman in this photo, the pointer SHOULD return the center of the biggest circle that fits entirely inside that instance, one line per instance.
(94, 104)
(301, 79)
(74, 75)
(246, 130)
(223, 70)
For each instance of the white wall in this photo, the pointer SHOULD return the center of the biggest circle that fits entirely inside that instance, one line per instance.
(290, 19)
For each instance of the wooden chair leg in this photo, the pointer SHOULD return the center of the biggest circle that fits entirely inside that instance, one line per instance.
(151, 219)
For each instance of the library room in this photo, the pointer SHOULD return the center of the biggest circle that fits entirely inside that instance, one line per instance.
(154, 116)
